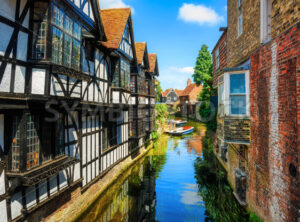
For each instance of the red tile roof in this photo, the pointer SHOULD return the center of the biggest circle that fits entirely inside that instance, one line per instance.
(152, 61)
(192, 90)
(114, 22)
(166, 92)
(140, 48)
(178, 92)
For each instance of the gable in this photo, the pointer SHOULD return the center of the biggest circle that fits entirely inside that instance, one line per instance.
(126, 42)
(85, 6)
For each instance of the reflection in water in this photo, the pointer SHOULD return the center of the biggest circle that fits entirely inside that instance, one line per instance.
(162, 187)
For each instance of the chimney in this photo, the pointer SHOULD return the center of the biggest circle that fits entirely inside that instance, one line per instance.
(189, 82)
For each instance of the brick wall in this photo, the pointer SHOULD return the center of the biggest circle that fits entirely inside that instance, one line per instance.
(240, 47)
(236, 129)
(275, 110)
(222, 46)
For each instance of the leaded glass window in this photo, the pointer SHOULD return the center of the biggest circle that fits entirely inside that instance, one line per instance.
(67, 50)
(40, 14)
(68, 25)
(58, 16)
(57, 37)
(76, 54)
(66, 31)
(32, 141)
(238, 94)
(16, 144)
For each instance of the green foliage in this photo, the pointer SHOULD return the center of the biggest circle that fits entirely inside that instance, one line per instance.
(203, 73)
(154, 135)
(158, 91)
(254, 218)
(205, 110)
(161, 113)
(213, 186)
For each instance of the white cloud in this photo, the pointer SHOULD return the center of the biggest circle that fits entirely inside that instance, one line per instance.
(105, 4)
(199, 14)
(187, 70)
(225, 7)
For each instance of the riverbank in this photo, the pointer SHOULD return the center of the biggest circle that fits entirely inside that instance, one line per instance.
(81, 201)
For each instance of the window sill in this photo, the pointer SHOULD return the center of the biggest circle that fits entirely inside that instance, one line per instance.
(36, 175)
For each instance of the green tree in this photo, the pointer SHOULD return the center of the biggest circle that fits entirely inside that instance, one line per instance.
(203, 73)
(158, 91)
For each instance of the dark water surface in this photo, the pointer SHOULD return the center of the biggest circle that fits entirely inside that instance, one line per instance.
(163, 187)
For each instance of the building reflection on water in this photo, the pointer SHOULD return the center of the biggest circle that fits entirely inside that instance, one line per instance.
(130, 199)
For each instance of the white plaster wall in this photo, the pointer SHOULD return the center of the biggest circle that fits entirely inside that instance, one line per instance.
(104, 162)
(84, 176)
(77, 171)
(30, 197)
(278, 187)
(84, 85)
(116, 98)
(86, 8)
(19, 86)
(38, 81)
(77, 3)
(1, 132)
(43, 195)
(105, 93)
(8, 8)
(91, 95)
(83, 150)
(5, 83)
(89, 169)
(3, 213)
(16, 205)
(22, 46)
(55, 88)
(2, 182)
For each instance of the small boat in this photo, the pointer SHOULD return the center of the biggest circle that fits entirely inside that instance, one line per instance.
(179, 122)
(181, 131)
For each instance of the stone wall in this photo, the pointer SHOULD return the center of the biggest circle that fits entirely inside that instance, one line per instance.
(240, 47)
(274, 185)
(285, 14)
(236, 129)
(222, 46)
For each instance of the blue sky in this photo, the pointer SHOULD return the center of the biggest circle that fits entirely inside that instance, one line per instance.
(175, 30)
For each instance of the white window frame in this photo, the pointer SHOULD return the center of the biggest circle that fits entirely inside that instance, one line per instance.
(265, 20)
(221, 82)
(227, 93)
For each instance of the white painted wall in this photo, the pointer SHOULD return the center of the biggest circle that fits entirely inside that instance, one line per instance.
(116, 97)
(16, 205)
(22, 46)
(19, 86)
(38, 81)
(3, 213)
(2, 182)
(26, 20)
(5, 83)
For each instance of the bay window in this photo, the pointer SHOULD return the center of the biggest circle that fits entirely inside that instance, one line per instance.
(34, 142)
(66, 39)
(238, 94)
(221, 108)
(121, 74)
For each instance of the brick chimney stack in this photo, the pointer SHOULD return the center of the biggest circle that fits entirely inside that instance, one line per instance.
(189, 82)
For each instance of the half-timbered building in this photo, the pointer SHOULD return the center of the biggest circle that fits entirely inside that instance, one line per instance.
(65, 94)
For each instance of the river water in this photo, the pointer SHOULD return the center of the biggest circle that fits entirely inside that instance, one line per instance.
(163, 186)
